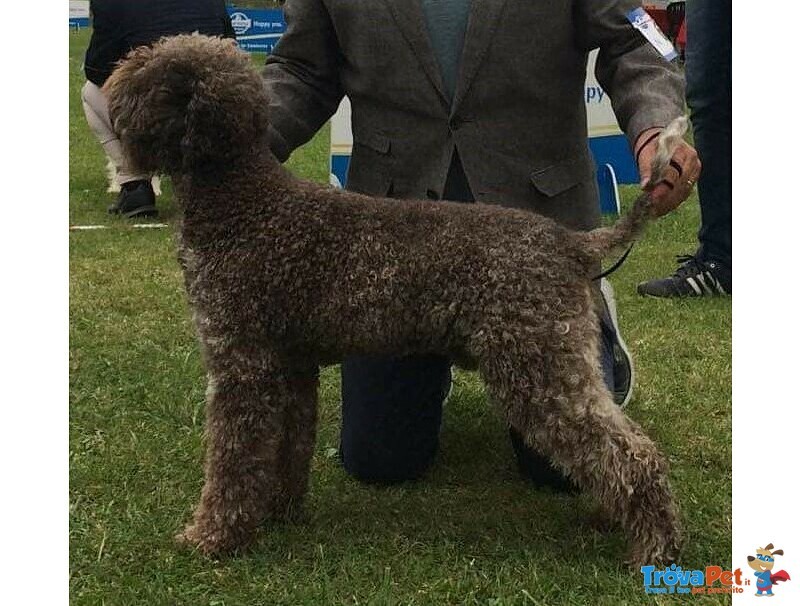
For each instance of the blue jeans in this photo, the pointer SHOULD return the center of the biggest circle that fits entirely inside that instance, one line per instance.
(708, 93)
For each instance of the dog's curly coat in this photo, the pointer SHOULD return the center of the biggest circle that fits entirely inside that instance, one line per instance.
(286, 275)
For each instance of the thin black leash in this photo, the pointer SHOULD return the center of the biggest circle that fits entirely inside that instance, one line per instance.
(624, 256)
(616, 265)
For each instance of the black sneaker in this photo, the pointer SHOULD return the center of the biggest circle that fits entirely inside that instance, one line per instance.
(693, 278)
(136, 199)
(538, 469)
(624, 375)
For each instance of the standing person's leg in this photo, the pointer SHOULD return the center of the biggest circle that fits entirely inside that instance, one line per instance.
(136, 197)
(708, 92)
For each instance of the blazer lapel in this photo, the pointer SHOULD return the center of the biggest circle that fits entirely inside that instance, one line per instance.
(484, 16)
(411, 21)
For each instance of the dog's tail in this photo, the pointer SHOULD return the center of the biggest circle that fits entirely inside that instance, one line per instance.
(600, 242)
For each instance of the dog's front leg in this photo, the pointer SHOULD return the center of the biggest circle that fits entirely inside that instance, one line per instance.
(251, 418)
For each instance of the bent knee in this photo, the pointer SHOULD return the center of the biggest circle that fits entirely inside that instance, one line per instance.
(373, 465)
(91, 94)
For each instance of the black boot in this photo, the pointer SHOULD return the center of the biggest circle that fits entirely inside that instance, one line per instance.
(136, 199)
(538, 469)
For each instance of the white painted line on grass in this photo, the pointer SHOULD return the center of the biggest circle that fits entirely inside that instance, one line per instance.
(134, 226)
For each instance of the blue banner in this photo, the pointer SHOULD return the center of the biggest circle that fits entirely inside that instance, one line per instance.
(257, 30)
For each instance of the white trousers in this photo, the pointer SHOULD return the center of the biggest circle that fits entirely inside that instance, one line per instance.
(95, 106)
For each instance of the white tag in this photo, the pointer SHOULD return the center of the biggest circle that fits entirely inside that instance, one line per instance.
(641, 20)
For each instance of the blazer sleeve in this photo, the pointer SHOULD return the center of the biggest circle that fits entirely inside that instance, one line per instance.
(302, 76)
(644, 88)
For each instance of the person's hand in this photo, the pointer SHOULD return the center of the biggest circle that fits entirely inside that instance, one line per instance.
(678, 178)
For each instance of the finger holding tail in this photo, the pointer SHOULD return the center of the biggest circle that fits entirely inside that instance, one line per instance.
(600, 242)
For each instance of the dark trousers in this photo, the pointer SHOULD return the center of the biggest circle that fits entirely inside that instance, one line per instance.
(392, 407)
(392, 414)
(708, 93)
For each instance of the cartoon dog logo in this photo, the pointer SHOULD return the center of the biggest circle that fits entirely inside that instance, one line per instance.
(763, 563)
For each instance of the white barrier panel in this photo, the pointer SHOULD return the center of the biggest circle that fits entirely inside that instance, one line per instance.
(79, 9)
(79, 13)
(600, 118)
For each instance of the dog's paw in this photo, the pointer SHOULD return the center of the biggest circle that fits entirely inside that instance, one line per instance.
(656, 551)
(210, 541)
(599, 521)
(639, 556)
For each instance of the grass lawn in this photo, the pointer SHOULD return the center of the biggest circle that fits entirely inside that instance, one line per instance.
(471, 532)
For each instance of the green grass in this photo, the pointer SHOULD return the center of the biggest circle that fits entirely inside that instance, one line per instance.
(471, 532)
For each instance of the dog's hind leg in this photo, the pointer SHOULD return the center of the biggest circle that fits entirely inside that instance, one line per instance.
(557, 400)
(247, 415)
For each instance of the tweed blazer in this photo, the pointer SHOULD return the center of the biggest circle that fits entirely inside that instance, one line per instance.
(517, 117)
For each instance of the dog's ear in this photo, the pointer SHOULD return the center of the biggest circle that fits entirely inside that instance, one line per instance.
(134, 111)
(190, 104)
(225, 117)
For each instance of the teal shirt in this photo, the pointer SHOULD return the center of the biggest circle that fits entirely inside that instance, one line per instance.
(447, 25)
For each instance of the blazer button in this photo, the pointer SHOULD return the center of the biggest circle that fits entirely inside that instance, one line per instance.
(456, 122)
(432, 195)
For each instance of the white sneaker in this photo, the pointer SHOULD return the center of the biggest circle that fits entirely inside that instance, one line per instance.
(624, 375)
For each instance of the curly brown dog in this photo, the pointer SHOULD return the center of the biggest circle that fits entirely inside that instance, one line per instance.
(286, 275)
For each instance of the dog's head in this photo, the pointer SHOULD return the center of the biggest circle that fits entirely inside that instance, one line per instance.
(188, 104)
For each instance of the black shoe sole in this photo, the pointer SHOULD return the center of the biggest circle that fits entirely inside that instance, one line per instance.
(687, 296)
(142, 211)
